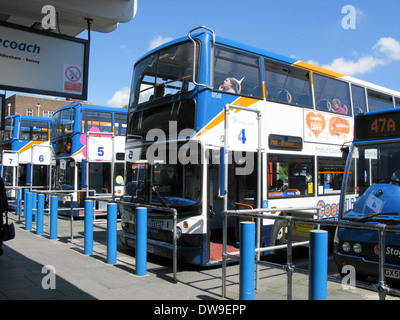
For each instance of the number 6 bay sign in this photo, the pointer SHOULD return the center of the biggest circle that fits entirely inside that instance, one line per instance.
(41, 155)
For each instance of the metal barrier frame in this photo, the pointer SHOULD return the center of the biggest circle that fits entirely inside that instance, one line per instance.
(382, 288)
(174, 215)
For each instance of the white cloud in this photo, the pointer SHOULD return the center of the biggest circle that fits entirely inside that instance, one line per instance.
(350, 68)
(120, 98)
(158, 41)
(388, 46)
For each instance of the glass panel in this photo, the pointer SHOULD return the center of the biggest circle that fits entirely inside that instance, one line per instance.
(8, 132)
(290, 176)
(93, 120)
(34, 130)
(63, 122)
(359, 101)
(120, 123)
(182, 112)
(332, 95)
(237, 72)
(164, 73)
(379, 101)
(330, 175)
(377, 180)
(288, 85)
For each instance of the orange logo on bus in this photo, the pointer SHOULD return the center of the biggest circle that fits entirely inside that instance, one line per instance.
(338, 126)
(316, 123)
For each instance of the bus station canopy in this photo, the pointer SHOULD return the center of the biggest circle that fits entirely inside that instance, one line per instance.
(71, 15)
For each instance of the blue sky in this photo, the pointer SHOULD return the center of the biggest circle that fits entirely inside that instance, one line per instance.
(308, 30)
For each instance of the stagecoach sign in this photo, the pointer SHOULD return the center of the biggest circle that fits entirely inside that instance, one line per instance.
(41, 62)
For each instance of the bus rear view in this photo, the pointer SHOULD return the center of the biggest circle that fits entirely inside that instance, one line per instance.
(371, 195)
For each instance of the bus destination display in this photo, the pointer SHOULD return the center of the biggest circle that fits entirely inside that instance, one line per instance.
(377, 126)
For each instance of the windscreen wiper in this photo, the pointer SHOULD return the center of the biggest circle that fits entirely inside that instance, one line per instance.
(375, 215)
(158, 195)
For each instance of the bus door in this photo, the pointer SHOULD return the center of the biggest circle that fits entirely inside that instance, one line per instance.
(100, 180)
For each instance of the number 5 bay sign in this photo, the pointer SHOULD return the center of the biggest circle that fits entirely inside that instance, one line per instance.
(99, 148)
(41, 155)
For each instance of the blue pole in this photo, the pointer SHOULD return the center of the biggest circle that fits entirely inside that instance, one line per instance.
(28, 211)
(88, 227)
(53, 217)
(34, 205)
(18, 201)
(247, 260)
(318, 272)
(112, 210)
(25, 198)
(141, 241)
(40, 214)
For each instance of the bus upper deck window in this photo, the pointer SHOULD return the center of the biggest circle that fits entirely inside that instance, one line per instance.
(236, 72)
(332, 95)
(286, 84)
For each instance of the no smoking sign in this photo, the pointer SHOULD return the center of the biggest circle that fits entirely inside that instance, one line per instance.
(72, 78)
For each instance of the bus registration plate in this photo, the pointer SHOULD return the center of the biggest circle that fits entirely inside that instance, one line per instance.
(159, 224)
(392, 273)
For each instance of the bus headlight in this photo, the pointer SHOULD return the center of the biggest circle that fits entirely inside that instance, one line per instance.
(357, 248)
(346, 246)
(178, 232)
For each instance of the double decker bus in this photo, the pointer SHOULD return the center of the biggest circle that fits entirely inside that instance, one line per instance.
(89, 153)
(371, 195)
(21, 137)
(176, 129)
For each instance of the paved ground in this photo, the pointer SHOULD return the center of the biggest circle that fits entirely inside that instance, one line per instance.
(25, 273)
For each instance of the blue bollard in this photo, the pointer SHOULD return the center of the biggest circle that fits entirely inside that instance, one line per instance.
(88, 227)
(25, 197)
(34, 205)
(53, 217)
(318, 272)
(40, 214)
(18, 202)
(112, 212)
(247, 260)
(28, 211)
(141, 241)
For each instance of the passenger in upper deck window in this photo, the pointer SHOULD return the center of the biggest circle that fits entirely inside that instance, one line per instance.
(338, 107)
(229, 85)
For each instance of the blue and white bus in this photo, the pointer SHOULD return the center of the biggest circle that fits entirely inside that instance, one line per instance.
(89, 152)
(21, 135)
(371, 195)
(176, 129)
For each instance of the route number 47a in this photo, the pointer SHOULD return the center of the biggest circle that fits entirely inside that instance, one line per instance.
(242, 136)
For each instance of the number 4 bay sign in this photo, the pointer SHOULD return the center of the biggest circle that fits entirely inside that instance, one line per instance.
(99, 148)
(41, 155)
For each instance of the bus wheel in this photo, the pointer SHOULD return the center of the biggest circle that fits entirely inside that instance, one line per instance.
(277, 238)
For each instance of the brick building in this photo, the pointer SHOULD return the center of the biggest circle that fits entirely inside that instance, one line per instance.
(34, 106)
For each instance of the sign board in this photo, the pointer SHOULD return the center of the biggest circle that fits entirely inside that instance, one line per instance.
(2, 110)
(10, 159)
(99, 149)
(41, 155)
(41, 62)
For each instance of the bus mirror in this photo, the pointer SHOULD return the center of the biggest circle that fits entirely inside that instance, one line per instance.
(345, 152)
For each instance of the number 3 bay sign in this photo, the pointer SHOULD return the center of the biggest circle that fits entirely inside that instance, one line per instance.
(41, 155)
(99, 148)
